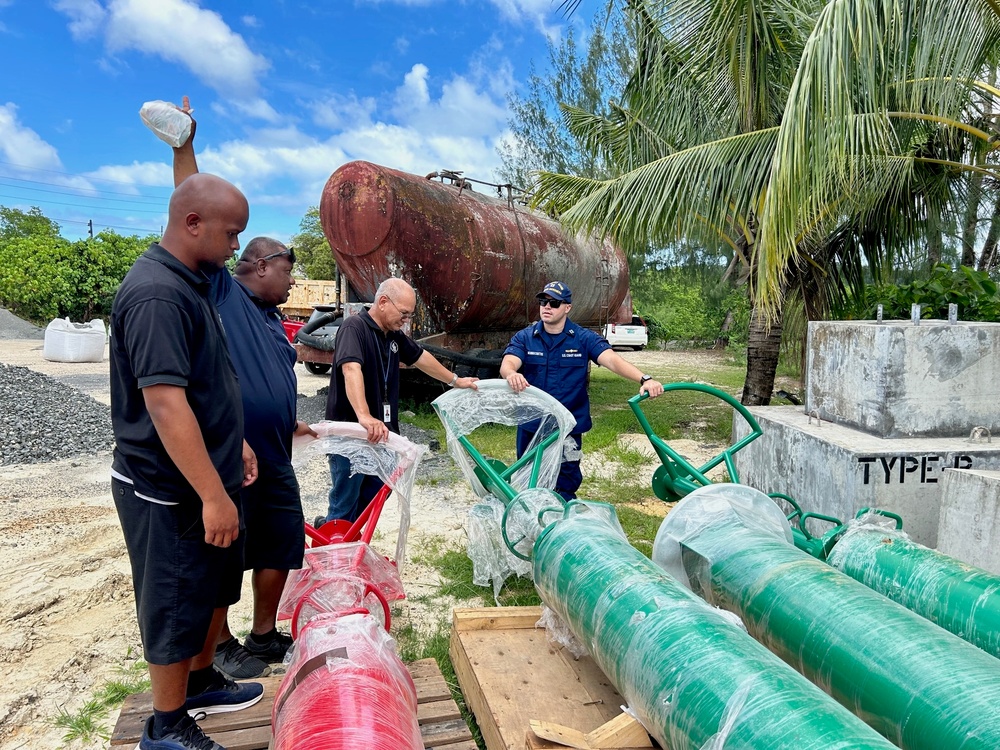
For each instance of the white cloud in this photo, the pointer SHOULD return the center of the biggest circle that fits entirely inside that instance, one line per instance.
(251, 21)
(257, 109)
(21, 145)
(413, 93)
(86, 16)
(178, 31)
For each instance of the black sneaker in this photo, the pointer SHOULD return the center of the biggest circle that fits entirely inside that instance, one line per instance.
(223, 696)
(185, 735)
(238, 663)
(319, 521)
(272, 651)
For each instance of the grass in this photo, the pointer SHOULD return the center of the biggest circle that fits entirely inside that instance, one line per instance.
(87, 723)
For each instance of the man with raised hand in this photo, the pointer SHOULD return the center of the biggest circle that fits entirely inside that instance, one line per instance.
(180, 460)
(554, 355)
(264, 360)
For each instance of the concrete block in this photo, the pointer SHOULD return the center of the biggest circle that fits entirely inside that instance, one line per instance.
(970, 518)
(837, 470)
(895, 379)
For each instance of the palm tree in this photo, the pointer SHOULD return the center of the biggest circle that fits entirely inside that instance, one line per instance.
(813, 139)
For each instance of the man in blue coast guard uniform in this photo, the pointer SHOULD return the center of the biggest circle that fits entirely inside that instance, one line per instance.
(553, 355)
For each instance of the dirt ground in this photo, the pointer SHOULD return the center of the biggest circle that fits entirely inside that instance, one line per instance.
(66, 607)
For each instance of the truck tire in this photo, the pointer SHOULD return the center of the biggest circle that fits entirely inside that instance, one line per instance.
(317, 368)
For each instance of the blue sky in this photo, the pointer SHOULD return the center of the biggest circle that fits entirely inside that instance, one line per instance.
(284, 92)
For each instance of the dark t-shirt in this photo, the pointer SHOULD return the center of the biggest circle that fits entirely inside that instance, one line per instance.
(379, 354)
(165, 331)
(264, 362)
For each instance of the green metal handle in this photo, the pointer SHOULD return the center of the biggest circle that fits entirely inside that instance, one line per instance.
(803, 517)
(540, 518)
(677, 476)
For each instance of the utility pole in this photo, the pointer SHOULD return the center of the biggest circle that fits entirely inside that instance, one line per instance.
(90, 228)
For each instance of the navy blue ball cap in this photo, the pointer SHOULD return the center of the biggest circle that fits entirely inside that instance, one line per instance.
(556, 290)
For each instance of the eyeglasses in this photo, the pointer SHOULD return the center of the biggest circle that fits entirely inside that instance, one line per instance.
(289, 252)
(403, 315)
(555, 304)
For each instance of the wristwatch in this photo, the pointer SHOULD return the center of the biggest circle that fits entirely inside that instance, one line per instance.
(645, 378)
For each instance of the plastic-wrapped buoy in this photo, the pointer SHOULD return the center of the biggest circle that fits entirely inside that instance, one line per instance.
(345, 689)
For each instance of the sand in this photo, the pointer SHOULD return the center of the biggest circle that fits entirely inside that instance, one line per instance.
(67, 613)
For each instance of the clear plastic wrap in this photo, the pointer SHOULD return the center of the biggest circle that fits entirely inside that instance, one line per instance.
(691, 676)
(462, 411)
(920, 686)
(961, 598)
(345, 689)
(559, 634)
(395, 462)
(339, 577)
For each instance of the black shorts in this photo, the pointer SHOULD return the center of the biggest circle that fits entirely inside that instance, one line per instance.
(178, 578)
(276, 536)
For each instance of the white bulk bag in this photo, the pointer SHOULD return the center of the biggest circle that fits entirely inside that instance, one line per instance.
(66, 341)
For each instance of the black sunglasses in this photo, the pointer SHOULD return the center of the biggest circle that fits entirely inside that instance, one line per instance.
(555, 304)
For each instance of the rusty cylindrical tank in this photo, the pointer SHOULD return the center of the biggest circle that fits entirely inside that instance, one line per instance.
(475, 262)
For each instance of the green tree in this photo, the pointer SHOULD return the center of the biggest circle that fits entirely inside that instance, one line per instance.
(32, 223)
(313, 255)
(584, 75)
(819, 141)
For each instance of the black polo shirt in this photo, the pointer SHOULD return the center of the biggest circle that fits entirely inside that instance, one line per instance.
(360, 340)
(165, 331)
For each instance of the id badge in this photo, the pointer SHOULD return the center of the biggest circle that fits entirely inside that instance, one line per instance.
(386, 413)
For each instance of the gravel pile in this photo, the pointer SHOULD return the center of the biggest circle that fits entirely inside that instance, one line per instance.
(12, 327)
(42, 419)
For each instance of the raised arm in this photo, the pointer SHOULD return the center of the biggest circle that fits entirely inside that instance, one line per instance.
(185, 163)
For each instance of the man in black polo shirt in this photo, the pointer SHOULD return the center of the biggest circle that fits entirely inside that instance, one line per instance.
(265, 362)
(364, 387)
(180, 459)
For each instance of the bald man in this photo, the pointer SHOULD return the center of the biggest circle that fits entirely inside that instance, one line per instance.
(180, 460)
(364, 386)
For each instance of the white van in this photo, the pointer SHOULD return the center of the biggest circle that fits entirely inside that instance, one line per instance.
(632, 334)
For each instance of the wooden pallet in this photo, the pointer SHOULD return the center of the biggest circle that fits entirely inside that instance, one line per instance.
(510, 675)
(441, 725)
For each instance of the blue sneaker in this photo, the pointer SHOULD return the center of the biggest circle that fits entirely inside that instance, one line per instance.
(223, 696)
(185, 735)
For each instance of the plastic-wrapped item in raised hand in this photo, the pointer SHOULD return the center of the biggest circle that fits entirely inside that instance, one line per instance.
(345, 689)
(171, 125)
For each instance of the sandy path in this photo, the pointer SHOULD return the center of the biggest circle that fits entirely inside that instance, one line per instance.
(66, 608)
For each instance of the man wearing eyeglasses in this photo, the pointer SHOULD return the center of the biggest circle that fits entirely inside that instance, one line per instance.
(554, 354)
(263, 359)
(364, 386)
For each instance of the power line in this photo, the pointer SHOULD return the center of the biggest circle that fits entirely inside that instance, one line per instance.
(152, 201)
(137, 230)
(71, 174)
(93, 190)
(95, 208)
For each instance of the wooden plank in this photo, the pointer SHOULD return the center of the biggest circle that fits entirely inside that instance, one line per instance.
(432, 689)
(512, 675)
(445, 733)
(429, 713)
(440, 720)
(494, 618)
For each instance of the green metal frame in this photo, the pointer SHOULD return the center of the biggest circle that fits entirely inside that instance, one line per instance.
(677, 477)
